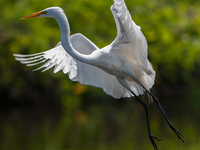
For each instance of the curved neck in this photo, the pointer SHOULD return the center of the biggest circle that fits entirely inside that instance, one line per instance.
(65, 33)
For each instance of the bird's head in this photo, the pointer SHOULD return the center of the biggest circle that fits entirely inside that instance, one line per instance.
(48, 12)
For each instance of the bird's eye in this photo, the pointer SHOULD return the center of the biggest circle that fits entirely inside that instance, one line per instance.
(44, 12)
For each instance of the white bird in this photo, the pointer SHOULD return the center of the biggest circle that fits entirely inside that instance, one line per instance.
(121, 69)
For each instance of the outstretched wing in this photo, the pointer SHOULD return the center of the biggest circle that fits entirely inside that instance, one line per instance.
(77, 71)
(129, 32)
(131, 42)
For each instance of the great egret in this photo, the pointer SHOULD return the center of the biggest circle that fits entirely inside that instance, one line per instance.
(121, 69)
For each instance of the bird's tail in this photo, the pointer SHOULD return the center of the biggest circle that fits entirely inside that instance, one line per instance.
(150, 98)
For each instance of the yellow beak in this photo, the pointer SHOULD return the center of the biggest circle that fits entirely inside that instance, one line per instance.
(34, 15)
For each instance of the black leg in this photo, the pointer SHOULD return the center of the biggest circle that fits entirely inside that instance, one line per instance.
(149, 131)
(180, 136)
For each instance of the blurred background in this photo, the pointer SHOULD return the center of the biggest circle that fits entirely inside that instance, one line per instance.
(46, 111)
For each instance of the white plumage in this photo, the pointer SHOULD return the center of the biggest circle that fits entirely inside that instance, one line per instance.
(130, 44)
(121, 69)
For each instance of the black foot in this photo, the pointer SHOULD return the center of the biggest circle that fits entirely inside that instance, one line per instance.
(180, 136)
(153, 142)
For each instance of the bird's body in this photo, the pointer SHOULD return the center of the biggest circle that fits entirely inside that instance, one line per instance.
(124, 58)
(121, 69)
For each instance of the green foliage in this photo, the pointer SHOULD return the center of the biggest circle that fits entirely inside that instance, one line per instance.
(48, 111)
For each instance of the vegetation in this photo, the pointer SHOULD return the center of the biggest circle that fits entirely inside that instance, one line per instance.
(46, 111)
